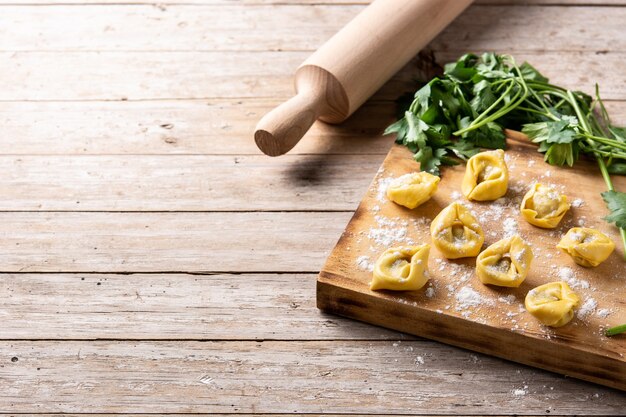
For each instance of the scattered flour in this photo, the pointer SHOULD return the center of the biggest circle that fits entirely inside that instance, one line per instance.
(364, 263)
(381, 193)
(419, 361)
(603, 312)
(430, 292)
(467, 297)
(577, 203)
(509, 299)
(510, 227)
(567, 275)
(518, 392)
(455, 195)
(587, 308)
(386, 237)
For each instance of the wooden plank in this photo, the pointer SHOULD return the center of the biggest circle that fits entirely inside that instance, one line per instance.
(185, 182)
(172, 306)
(489, 322)
(282, 377)
(197, 127)
(165, 75)
(294, 28)
(167, 242)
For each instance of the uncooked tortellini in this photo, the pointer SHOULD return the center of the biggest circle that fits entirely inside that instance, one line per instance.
(552, 304)
(412, 190)
(543, 206)
(486, 176)
(401, 269)
(505, 263)
(588, 247)
(456, 233)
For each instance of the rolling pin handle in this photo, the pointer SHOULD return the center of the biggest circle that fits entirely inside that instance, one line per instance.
(282, 128)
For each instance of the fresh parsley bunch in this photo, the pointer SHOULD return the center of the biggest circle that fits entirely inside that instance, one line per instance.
(466, 109)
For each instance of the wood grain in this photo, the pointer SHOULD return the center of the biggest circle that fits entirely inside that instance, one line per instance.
(167, 242)
(185, 127)
(489, 324)
(178, 127)
(172, 306)
(189, 75)
(294, 27)
(282, 377)
(185, 182)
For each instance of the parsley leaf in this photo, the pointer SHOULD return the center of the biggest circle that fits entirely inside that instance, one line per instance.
(616, 202)
(453, 116)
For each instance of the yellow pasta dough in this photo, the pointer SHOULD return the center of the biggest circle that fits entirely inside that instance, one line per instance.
(412, 190)
(587, 247)
(552, 304)
(456, 233)
(543, 206)
(486, 176)
(402, 268)
(505, 263)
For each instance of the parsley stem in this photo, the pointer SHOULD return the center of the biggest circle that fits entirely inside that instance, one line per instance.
(615, 330)
(528, 109)
(603, 169)
(606, 141)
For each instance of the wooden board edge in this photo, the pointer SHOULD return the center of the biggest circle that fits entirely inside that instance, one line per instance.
(542, 354)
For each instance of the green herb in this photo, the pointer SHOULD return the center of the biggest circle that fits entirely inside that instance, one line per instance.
(615, 330)
(453, 116)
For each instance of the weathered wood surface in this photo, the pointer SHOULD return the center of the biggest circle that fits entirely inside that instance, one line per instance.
(206, 75)
(189, 127)
(487, 323)
(172, 306)
(167, 242)
(278, 377)
(292, 27)
(185, 182)
(114, 85)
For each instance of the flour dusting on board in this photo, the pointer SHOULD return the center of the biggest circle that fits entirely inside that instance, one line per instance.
(456, 287)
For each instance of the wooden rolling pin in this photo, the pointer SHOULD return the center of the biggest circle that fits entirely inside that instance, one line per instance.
(333, 82)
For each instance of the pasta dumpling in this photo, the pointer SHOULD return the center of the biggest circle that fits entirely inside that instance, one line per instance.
(543, 206)
(587, 247)
(552, 304)
(412, 190)
(402, 268)
(486, 176)
(505, 263)
(456, 233)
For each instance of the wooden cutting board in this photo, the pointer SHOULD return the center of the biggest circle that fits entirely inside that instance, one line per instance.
(455, 307)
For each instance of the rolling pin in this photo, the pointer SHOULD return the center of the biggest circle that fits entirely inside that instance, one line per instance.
(333, 82)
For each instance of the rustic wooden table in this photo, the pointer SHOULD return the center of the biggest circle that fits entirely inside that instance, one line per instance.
(154, 262)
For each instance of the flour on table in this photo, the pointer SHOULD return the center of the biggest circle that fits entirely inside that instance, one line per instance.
(467, 297)
(383, 184)
(364, 263)
(567, 274)
(587, 308)
(510, 227)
